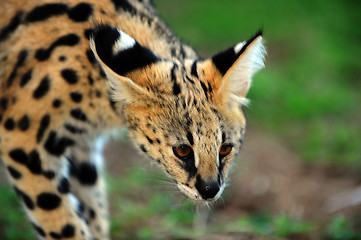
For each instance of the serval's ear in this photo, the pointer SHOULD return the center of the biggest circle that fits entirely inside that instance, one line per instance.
(119, 55)
(230, 72)
(118, 51)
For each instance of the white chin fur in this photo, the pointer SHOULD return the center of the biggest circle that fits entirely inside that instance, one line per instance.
(190, 193)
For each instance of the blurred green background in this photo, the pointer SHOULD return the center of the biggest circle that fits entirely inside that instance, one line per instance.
(308, 96)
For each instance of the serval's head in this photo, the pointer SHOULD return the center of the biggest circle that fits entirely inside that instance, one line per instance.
(185, 115)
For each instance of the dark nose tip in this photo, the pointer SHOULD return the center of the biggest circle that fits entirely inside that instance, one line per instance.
(207, 189)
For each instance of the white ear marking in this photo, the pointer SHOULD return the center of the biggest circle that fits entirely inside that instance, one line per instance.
(124, 42)
(239, 46)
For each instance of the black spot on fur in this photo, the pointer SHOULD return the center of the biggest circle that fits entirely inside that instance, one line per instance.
(4, 103)
(124, 5)
(49, 174)
(80, 12)
(1, 117)
(176, 88)
(78, 114)
(26, 199)
(26, 78)
(87, 173)
(112, 104)
(92, 213)
(215, 110)
(173, 52)
(31, 161)
(90, 80)
(87, 33)
(91, 56)
(69, 75)
(184, 104)
(190, 80)
(124, 61)
(190, 138)
(57, 103)
(9, 124)
(64, 186)
(55, 235)
(46, 11)
(182, 52)
(194, 71)
(34, 162)
(39, 230)
(209, 87)
(67, 40)
(57, 145)
(205, 89)
(76, 97)
(73, 129)
(14, 173)
(142, 147)
(11, 27)
(19, 155)
(102, 73)
(42, 89)
(62, 58)
(189, 120)
(149, 140)
(44, 124)
(68, 231)
(172, 72)
(21, 60)
(4, 58)
(98, 93)
(48, 201)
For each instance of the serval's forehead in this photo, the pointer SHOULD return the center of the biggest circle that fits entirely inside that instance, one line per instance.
(196, 115)
(189, 86)
(192, 98)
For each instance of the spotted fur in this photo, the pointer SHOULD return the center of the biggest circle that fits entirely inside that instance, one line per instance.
(70, 71)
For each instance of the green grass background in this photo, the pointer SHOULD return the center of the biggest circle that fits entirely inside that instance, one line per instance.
(308, 96)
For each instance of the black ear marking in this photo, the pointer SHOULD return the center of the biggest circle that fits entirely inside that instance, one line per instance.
(120, 52)
(224, 60)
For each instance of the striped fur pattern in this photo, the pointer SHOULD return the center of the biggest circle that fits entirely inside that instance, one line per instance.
(71, 71)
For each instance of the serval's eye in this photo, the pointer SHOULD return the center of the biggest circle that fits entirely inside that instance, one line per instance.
(182, 151)
(225, 150)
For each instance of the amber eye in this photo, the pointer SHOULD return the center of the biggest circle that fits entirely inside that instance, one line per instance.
(182, 151)
(225, 150)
